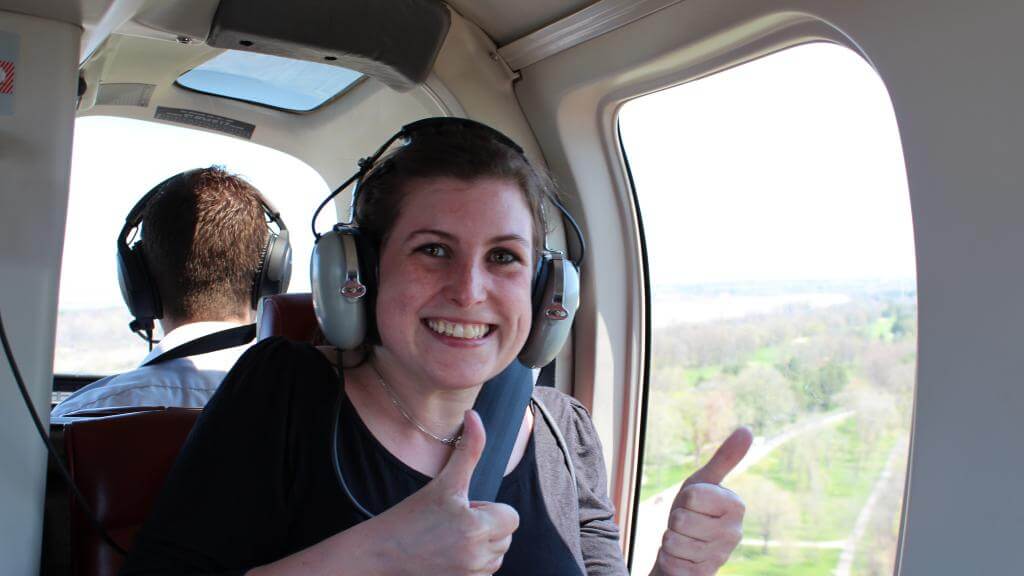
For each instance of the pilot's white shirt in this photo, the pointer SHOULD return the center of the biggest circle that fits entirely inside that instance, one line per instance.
(187, 382)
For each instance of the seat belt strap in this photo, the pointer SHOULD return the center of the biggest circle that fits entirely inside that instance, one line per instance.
(501, 405)
(220, 340)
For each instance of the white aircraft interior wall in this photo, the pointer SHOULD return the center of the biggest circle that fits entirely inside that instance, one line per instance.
(35, 164)
(952, 73)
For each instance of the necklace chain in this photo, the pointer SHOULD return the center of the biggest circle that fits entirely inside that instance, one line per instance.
(450, 441)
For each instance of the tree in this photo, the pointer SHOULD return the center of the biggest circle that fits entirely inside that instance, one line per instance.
(771, 511)
(667, 438)
(904, 326)
(764, 400)
(707, 416)
(823, 384)
(875, 414)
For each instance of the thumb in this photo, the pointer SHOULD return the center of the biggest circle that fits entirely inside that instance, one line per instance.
(725, 458)
(454, 477)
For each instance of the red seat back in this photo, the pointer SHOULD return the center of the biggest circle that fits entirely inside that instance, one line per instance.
(119, 463)
(288, 315)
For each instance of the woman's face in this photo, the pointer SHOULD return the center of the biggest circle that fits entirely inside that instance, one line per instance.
(455, 279)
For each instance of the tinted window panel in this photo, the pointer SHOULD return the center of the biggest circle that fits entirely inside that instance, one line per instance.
(270, 80)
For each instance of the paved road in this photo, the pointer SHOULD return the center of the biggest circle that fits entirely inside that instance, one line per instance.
(849, 551)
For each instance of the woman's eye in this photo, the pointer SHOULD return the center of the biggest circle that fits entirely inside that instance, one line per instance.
(434, 250)
(503, 257)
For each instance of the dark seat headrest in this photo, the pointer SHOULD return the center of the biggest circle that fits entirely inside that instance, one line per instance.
(288, 315)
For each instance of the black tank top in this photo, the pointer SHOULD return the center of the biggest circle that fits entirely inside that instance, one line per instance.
(379, 480)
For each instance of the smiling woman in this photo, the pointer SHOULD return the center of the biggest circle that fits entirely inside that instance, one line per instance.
(453, 309)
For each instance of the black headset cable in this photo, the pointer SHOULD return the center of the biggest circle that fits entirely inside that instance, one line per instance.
(51, 450)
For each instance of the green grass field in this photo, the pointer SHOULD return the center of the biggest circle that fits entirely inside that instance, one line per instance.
(658, 478)
(748, 561)
(766, 355)
(881, 329)
(829, 489)
(693, 376)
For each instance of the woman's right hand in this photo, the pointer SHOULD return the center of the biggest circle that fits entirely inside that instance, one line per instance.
(438, 530)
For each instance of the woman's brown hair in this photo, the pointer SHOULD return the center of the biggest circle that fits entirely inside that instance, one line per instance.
(461, 153)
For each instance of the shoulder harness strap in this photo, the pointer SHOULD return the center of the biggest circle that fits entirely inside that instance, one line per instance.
(559, 439)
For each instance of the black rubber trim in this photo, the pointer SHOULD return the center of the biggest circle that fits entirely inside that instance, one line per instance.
(645, 387)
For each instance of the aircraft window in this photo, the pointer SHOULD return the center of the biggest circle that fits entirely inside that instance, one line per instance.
(294, 85)
(781, 265)
(115, 161)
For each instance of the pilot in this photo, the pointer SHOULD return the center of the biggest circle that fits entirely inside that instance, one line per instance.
(311, 462)
(205, 257)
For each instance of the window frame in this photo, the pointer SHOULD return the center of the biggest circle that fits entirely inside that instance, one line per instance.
(641, 413)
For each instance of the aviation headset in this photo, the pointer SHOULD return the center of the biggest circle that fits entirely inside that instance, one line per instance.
(343, 269)
(140, 290)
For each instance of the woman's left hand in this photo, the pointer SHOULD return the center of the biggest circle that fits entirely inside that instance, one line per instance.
(706, 522)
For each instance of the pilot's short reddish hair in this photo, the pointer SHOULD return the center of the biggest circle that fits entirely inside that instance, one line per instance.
(203, 236)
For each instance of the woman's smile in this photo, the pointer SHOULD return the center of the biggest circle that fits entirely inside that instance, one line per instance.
(467, 332)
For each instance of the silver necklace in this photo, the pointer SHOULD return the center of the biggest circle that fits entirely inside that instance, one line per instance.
(452, 441)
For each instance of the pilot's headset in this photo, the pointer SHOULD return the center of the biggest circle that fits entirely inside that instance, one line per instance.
(343, 270)
(139, 289)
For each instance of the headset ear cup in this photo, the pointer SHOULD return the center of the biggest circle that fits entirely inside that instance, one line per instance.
(556, 298)
(368, 262)
(275, 270)
(540, 278)
(137, 288)
(343, 292)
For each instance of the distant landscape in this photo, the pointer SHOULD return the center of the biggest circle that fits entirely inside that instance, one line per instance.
(824, 375)
(96, 342)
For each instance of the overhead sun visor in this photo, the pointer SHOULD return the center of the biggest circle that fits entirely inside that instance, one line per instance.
(394, 41)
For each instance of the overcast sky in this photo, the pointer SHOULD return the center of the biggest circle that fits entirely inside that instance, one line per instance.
(788, 167)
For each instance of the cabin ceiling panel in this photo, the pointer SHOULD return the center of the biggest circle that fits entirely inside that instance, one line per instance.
(61, 11)
(507, 21)
(395, 42)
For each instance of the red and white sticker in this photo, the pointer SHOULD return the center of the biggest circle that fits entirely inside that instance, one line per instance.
(6, 77)
(9, 45)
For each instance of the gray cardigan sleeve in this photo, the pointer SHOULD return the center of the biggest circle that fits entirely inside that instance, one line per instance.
(588, 504)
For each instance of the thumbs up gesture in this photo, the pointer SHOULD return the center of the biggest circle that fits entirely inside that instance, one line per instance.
(706, 521)
(438, 530)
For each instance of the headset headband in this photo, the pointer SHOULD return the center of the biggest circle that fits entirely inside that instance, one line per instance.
(136, 214)
(438, 126)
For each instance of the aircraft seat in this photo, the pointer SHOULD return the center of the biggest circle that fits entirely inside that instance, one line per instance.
(119, 463)
(288, 315)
